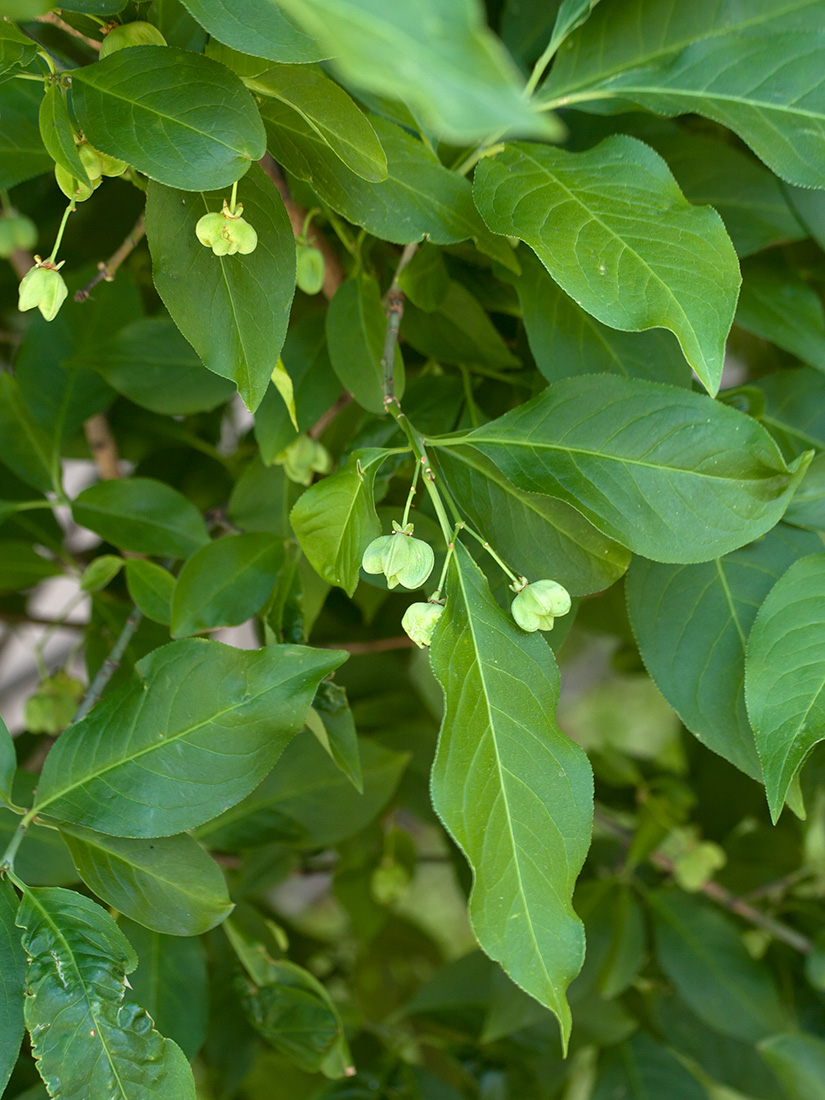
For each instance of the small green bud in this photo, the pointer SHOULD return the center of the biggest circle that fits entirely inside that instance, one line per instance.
(302, 458)
(309, 269)
(43, 286)
(537, 604)
(16, 231)
(131, 34)
(227, 234)
(420, 621)
(72, 188)
(54, 704)
(400, 557)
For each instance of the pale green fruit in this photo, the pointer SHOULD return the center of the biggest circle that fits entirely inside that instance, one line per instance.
(131, 34)
(226, 234)
(420, 621)
(537, 604)
(309, 269)
(44, 288)
(71, 187)
(400, 557)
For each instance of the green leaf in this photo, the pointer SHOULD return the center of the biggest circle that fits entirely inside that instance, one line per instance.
(419, 197)
(794, 408)
(799, 1063)
(457, 331)
(255, 27)
(455, 74)
(149, 362)
(566, 340)
(700, 951)
(197, 731)
(307, 789)
(171, 984)
(628, 944)
(503, 770)
(356, 329)
(425, 279)
(641, 1069)
(22, 156)
(225, 583)
(807, 507)
(335, 520)
(754, 68)
(57, 134)
(233, 310)
(615, 232)
(536, 535)
(26, 447)
(692, 623)
(779, 306)
(142, 515)
(668, 473)
(22, 567)
(334, 727)
(100, 572)
(785, 675)
(260, 500)
(87, 1043)
(179, 117)
(8, 764)
(12, 983)
(151, 588)
(169, 884)
(322, 104)
(16, 49)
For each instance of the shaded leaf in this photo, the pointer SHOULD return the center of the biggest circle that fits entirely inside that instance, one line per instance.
(22, 567)
(12, 982)
(781, 307)
(151, 588)
(22, 156)
(256, 27)
(16, 49)
(356, 327)
(457, 331)
(641, 1069)
(590, 219)
(513, 791)
(340, 739)
(799, 1063)
(8, 764)
(26, 447)
(169, 762)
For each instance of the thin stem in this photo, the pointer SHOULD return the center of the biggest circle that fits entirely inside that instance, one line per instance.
(450, 551)
(417, 444)
(472, 408)
(104, 675)
(234, 197)
(492, 553)
(487, 148)
(7, 860)
(410, 495)
(27, 76)
(107, 268)
(395, 311)
(69, 209)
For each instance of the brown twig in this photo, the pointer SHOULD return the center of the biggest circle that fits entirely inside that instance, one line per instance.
(56, 21)
(718, 894)
(107, 268)
(13, 618)
(323, 422)
(380, 645)
(333, 272)
(103, 447)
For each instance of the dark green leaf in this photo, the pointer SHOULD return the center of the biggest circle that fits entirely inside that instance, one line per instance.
(16, 49)
(781, 307)
(641, 1069)
(504, 771)
(12, 983)
(335, 520)
(225, 583)
(26, 447)
(255, 27)
(141, 515)
(8, 763)
(799, 1063)
(455, 73)
(615, 232)
(22, 567)
(151, 588)
(537, 535)
(171, 984)
(692, 623)
(700, 951)
(168, 884)
(668, 473)
(794, 408)
(22, 155)
(807, 507)
(181, 118)
(785, 675)
(754, 68)
(232, 309)
(628, 943)
(335, 730)
(566, 340)
(260, 499)
(457, 331)
(356, 328)
(425, 279)
(86, 1041)
(169, 762)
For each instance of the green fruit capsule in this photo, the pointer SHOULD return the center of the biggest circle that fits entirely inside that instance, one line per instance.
(90, 159)
(43, 288)
(420, 621)
(401, 558)
(227, 234)
(309, 269)
(71, 187)
(16, 231)
(537, 604)
(131, 34)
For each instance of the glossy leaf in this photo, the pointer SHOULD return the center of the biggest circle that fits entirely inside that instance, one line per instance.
(798, 1060)
(753, 68)
(225, 583)
(85, 1040)
(233, 310)
(168, 884)
(356, 328)
(566, 340)
(588, 217)
(149, 362)
(322, 104)
(537, 535)
(174, 760)
(785, 675)
(8, 763)
(255, 27)
(57, 134)
(781, 307)
(455, 74)
(692, 623)
(513, 791)
(151, 588)
(641, 1069)
(700, 951)
(179, 117)
(142, 515)
(12, 982)
(26, 447)
(171, 984)
(335, 519)
(668, 473)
